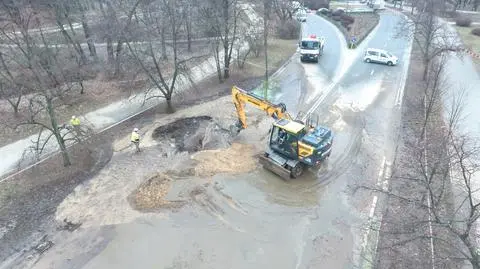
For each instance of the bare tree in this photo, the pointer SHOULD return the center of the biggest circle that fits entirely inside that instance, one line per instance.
(163, 75)
(12, 94)
(41, 69)
(283, 9)
(188, 12)
(9, 89)
(432, 194)
(83, 7)
(63, 10)
(428, 32)
(253, 37)
(221, 18)
(117, 27)
(266, 12)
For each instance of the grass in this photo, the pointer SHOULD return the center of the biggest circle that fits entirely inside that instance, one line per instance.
(470, 41)
(279, 51)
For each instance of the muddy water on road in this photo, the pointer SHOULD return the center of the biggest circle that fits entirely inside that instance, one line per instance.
(255, 220)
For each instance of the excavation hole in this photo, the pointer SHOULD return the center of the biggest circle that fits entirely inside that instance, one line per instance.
(193, 134)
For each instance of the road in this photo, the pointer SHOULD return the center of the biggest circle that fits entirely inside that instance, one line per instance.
(263, 222)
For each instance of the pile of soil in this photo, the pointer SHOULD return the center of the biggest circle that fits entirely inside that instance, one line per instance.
(193, 134)
(150, 195)
(237, 159)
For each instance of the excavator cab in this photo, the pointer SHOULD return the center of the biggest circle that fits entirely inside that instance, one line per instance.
(284, 137)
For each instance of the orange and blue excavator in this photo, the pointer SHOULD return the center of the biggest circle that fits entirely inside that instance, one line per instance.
(293, 145)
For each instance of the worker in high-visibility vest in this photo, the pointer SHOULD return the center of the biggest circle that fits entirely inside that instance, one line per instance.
(135, 138)
(75, 122)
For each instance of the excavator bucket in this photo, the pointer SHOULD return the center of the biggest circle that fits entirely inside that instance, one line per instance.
(274, 167)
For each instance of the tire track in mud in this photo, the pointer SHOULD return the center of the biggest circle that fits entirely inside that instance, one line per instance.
(346, 159)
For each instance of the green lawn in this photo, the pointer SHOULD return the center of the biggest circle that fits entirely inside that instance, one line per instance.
(471, 41)
(279, 51)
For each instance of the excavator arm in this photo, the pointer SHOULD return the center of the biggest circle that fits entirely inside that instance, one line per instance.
(241, 97)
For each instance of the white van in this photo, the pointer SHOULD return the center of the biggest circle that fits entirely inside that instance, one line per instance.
(380, 56)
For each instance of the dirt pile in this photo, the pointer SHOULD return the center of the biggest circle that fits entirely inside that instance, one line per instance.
(150, 195)
(193, 134)
(239, 158)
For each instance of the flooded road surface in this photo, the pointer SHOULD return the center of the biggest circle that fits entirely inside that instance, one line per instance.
(257, 220)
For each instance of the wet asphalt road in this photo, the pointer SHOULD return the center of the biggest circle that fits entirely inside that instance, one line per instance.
(259, 221)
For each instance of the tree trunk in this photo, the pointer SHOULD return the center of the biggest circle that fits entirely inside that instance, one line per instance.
(76, 45)
(226, 33)
(15, 104)
(164, 45)
(82, 89)
(110, 49)
(88, 36)
(170, 108)
(189, 33)
(217, 61)
(117, 56)
(226, 62)
(426, 63)
(56, 133)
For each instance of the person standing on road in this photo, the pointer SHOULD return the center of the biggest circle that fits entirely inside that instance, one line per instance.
(135, 138)
(75, 122)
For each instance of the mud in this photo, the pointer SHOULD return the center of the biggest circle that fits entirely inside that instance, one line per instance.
(150, 195)
(237, 159)
(193, 134)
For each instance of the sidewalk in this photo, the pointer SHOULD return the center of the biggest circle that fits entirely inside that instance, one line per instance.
(106, 117)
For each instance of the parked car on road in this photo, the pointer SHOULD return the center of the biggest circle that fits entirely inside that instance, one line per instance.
(380, 56)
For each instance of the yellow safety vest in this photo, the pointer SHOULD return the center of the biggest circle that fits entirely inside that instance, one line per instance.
(135, 137)
(75, 122)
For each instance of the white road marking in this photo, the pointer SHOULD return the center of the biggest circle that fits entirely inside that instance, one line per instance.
(374, 205)
(342, 68)
(372, 72)
(382, 169)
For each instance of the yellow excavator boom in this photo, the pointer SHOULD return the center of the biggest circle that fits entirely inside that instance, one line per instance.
(241, 97)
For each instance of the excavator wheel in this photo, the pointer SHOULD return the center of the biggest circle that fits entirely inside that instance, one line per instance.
(297, 170)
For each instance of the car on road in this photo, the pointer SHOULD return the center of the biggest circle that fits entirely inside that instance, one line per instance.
(380, 56)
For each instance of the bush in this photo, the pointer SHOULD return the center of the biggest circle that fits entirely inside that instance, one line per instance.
(325, 11)
(451, 14)
(463, 21)
(476, 31)
(288, 30)
(336, 18)
(347, 19)
(338, 12)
